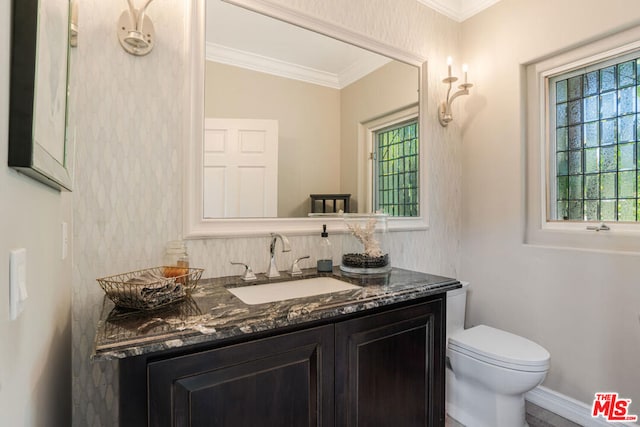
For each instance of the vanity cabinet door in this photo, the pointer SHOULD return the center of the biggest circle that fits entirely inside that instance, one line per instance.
(389, 368)
(285, 380)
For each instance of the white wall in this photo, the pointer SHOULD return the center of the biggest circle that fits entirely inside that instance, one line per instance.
(583, 307)
(128, 198)
(35, 349)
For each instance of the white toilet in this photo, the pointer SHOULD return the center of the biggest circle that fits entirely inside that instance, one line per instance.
(489, 370)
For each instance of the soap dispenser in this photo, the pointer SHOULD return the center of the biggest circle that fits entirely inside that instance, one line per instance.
(325, 257)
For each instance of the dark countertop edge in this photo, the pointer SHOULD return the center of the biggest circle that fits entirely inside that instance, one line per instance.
(333, 312)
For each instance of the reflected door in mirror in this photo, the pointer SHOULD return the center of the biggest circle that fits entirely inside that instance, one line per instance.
(240, 168)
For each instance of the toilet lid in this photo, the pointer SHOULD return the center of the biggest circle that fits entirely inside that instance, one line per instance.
(500, 348)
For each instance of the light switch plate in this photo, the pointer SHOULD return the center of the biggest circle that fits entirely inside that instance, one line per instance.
(17, 282)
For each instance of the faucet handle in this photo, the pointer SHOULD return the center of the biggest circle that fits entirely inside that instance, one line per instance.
(248, 273)
(295, 269)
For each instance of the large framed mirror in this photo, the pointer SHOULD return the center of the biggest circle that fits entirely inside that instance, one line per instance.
(327, 122)
(38, 145)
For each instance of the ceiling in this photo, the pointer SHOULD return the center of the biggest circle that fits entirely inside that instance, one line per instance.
(459, 10)
(239, 37)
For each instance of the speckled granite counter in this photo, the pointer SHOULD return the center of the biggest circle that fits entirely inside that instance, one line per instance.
(213, 313)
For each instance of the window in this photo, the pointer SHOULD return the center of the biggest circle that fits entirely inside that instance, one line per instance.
(581, 139)
(396, 169)
(594, 149)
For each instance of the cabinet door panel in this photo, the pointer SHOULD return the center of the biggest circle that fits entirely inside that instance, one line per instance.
(387, 368)
(284, 380)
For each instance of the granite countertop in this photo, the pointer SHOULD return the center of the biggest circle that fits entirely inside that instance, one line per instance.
(212, 313)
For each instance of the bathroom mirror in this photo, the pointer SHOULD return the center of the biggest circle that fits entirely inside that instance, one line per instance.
(38, 97)
(320, 152)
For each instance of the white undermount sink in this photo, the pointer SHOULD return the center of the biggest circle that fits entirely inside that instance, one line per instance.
(280, 291)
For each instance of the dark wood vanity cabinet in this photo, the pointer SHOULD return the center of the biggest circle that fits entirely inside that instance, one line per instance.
(389, 368)
(285, 380)
(383, 369)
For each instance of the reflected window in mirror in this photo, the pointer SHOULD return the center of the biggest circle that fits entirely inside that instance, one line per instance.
(396, 160)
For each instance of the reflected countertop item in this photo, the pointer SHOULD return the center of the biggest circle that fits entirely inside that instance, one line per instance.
(213, 314)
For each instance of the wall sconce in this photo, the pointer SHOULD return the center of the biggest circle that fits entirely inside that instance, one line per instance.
(135, 30)
(444, 112)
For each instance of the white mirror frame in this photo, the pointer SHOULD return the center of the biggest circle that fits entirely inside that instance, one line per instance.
(194, 225)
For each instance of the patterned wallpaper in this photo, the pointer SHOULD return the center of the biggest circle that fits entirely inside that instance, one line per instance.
(128, 183)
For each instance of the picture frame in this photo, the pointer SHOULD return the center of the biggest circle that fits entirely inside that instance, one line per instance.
(38, 142)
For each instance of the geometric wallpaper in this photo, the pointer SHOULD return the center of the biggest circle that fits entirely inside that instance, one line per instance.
(127, 114)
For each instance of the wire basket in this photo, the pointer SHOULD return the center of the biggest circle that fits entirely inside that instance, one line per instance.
(150, 288)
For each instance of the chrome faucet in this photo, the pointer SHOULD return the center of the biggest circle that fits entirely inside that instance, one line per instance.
(286, 247)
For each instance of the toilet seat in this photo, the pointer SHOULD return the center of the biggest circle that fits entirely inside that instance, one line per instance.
(500, 348)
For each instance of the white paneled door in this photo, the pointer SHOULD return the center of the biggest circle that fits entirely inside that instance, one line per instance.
(240, 177)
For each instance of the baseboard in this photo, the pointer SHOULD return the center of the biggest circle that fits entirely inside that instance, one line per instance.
(570, 408)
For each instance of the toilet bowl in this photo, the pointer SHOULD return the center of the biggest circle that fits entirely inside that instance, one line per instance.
(488, 370)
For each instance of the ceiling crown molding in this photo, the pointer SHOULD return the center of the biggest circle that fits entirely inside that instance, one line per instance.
(263, 64)
(458, 10)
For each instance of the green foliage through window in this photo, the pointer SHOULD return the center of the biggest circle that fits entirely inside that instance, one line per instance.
(597, 153)
(397, 164)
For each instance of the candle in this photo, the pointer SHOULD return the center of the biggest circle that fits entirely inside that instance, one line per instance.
(449, 62)
(465, 68)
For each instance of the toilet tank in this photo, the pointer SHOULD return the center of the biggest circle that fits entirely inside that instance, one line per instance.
(456, 305)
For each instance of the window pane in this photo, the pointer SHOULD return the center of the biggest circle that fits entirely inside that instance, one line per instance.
(575, 188)
(591, 84)
(608, 159)
(561, 91)
(608, 185)
(627, 128)
(627, 74)
(592, 187)
(561, 114)
(591, 160)
(627, 210)
(575, 137)
(608, 105)
(562, 138)
(627, 184)
(627, 156)
(608, 210)
(627, 100)
(562, 164)
(575, 87)
(590, 134)
(591, 210)
(591, 109)
(608, 78)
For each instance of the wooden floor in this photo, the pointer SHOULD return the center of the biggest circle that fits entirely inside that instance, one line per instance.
(536, 417)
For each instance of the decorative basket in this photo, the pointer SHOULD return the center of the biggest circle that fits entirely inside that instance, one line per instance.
(150, 288)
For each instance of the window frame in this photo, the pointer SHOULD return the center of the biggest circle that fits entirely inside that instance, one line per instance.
(539, 228)
(366, 133)
(551, 116)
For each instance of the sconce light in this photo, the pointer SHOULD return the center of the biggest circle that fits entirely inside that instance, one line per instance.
(444, 112)
(135, 30)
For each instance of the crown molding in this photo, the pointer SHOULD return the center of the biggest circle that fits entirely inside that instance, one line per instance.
(263, 64)
(252, 61)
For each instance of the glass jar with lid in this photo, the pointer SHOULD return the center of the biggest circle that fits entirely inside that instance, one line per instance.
(176, 254)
